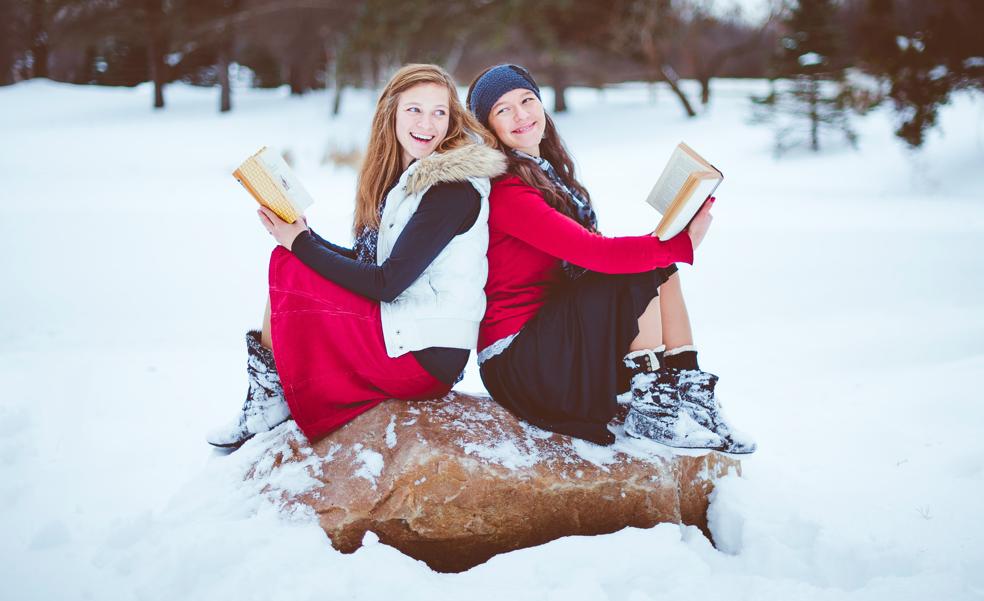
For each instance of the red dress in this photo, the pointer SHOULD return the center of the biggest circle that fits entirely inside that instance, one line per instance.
(329, 349)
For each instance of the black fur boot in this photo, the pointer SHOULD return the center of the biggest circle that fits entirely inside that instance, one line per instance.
(696, 390)
(655, 412)
(265, 407)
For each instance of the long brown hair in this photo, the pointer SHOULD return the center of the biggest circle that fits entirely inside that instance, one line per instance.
(383, 160)
(553, 149)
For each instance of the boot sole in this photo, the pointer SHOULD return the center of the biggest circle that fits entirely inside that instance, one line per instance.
(231, 445)
(738, 452)
(239, 443)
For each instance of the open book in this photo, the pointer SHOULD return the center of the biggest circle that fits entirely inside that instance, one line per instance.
(273, 184)
(686, 182)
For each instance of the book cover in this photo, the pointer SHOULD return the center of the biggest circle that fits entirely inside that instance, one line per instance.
(273, 184)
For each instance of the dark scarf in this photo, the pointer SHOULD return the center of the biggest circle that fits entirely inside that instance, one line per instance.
(367, 239)
(585, 215)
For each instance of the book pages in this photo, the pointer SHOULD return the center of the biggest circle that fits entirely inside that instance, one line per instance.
(685, 183)
(673, 178)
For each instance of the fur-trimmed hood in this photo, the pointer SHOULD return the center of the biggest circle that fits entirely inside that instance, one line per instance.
(471, 160)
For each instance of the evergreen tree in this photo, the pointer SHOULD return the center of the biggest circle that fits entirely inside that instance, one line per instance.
(924, 52)
(811, 94)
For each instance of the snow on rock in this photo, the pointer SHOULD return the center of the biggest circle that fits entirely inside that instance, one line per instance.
(391, 433)
(372, 465)
(469, 481)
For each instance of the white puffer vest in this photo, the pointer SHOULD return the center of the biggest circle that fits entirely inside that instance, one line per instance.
(444, 306)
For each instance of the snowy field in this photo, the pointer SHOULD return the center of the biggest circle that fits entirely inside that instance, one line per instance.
(839, 296)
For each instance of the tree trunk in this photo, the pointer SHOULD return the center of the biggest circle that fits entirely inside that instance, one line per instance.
(300, 70)
(155, 48)
(456, 52)
(560, 98)
(225, 96)
(336, 105)
(223, 59)
(814, 88)
(336, 58)
(295, 77)
(673, 80)
(705, 89)
(560, 90)
(39, 40)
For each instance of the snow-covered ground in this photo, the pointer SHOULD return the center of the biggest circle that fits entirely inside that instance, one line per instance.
(840, 297)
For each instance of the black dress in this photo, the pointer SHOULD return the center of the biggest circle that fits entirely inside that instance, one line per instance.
(564, 369)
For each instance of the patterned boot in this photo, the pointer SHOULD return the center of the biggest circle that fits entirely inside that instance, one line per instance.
(265, 407)
(656, 412)
(696, 390)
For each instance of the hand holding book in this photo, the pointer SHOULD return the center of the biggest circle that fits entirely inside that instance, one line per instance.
(700, 223)
(282, 199)
(285, 233)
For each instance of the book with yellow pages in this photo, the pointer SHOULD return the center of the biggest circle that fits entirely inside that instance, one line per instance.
(686, 182)
(271, 181)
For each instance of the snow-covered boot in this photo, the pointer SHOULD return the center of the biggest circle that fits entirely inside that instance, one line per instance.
(265, 407)
(696, 390)
(655, 412)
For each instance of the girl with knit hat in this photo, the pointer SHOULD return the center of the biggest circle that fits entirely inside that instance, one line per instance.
(575, 318)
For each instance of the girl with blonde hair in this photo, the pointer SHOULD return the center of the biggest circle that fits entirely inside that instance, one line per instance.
(396, 315)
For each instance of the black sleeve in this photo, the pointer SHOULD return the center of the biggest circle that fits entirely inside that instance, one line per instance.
(347, 252)
(445, 211)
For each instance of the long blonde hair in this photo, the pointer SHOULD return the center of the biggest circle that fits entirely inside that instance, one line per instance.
(383, 160)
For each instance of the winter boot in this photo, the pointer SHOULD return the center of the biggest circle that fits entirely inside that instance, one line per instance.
(696, 390)
(655, 412)
(265, 407)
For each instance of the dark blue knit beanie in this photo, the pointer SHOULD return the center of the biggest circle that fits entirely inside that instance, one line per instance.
(493, 84)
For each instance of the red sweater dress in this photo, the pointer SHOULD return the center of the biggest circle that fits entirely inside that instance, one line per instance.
(527, 241)
(561, 372)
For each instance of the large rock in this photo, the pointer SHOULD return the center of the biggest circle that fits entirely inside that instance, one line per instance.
(455, 481)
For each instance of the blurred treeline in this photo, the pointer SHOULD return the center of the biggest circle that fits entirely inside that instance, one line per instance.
(311, 44)
(315, 44)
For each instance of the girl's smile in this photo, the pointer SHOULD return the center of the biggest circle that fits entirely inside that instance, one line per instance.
(524, 128)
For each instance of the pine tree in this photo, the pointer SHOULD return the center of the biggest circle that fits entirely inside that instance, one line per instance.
(811, 93)
(924, 53)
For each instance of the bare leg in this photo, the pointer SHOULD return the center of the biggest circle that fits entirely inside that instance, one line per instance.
(673, 309)
(265, 339)
(650, 328)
